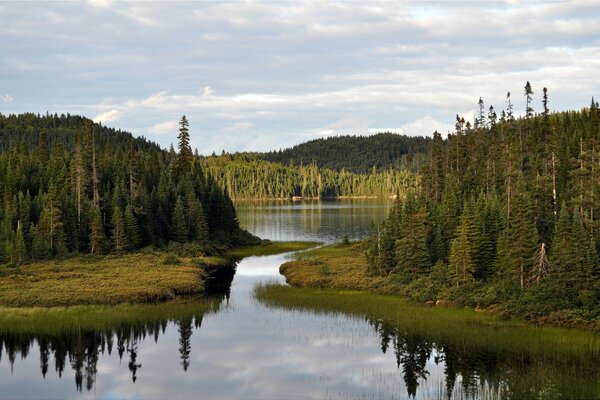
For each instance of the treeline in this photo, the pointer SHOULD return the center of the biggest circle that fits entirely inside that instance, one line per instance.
(358, 154)
(508, 214)
(68, 185)
(244, 176)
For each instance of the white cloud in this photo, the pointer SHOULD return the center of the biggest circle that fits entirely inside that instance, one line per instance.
(425, 126)
(165, 128)
(239, 126)
(7, 98)
(293, 68)
(207, 91)
(107, 116)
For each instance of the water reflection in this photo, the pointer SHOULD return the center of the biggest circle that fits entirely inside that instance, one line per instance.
(233, 347)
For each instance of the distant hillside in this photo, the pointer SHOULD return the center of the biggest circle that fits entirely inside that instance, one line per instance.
(357, 154)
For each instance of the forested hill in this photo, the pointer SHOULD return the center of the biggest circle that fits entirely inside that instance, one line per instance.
(68, 185)
(508, 213)
(358, 154)
(26, 129)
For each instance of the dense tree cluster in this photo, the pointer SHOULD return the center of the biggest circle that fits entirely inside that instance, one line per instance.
(508, 213)
(68, 185)
(247, 177)
(359, 154)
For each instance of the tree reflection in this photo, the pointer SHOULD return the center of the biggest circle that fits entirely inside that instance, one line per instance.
(81, 349)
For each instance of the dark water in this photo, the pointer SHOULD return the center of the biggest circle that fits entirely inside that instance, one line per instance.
(243, 349)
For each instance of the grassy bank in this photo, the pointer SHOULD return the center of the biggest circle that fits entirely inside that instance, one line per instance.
(130, 278)
(267, 248)
(336, 266)
(58, 320)
(345, 267)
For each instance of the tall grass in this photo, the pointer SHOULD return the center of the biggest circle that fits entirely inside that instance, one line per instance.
(523, 357)
(131, 278)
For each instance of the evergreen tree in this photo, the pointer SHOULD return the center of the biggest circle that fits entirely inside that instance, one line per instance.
(131, 229)
(461, 264)
(119, 238)
(96, 231)
(184, 158)
(178, 223)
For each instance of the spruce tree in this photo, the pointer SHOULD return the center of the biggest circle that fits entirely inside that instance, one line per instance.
(131, 229)
(119, 239)
(178, 223)
(96, 237)
(461, 264)
(185, 156)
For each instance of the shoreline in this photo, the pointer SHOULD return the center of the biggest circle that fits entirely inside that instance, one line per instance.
(344, 267)
(145, 277)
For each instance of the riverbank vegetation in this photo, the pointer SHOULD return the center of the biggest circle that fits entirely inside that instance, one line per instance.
(507, 215)
(505, 359)
(133, 278)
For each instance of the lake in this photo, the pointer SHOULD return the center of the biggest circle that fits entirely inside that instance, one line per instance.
(234, 346)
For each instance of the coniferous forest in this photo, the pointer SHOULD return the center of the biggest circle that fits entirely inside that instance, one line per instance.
(72, 186)
(508, 213)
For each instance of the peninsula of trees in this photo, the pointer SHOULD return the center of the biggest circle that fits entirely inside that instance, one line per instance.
(70, 186)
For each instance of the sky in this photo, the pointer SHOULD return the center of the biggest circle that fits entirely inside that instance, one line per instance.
(256, 76)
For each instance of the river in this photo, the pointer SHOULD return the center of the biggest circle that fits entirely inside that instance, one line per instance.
(244, 349)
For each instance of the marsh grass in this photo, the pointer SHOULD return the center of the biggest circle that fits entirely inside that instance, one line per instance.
(267, 248)
(131, 278)
(337, 266)
(528, 356)
(59, 320)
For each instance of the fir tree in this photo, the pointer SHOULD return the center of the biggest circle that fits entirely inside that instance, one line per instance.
(178, 223)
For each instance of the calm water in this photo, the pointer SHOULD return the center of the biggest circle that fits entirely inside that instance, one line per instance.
(245, 350)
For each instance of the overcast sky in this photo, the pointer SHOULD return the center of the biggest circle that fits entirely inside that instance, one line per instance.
(259, 75)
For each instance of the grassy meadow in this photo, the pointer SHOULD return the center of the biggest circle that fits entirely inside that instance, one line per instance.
(337, 266)
(131, 278)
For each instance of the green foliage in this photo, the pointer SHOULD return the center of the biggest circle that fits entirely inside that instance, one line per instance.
(71, 186)
(358, 154)
(489, 209)
(245, 176)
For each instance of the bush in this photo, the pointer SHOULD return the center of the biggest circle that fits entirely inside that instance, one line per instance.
(171, 259)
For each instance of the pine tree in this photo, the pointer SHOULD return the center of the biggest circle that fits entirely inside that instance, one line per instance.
(411, 250)
(96, 231)
(131, 229)
(178, 223)
(119, 239)
(528, 98)
(20, 248)
(461, 264)
(185, 156)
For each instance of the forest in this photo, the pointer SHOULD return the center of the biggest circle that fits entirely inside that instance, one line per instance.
(246, 176)
(507, 214)
(73, 186)
(358, 154)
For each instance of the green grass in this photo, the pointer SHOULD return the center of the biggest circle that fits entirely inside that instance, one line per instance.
(131, 278)
(267, 248)
(58, 320)
(533, 355)
(336, 266)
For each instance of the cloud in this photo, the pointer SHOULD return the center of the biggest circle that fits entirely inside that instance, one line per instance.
(207, 91)
(108, 116)
(425, 126)
(293, 68)
(7, 99)
(164, 128)
(239, 126)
